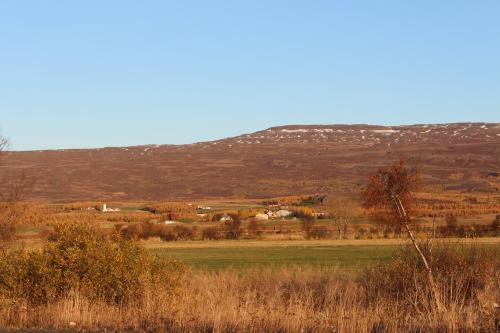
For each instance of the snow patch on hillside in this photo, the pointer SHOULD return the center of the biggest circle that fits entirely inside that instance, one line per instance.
(295, 131)
(385, 131)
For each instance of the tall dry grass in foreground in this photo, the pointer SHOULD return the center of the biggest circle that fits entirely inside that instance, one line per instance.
(389, 298)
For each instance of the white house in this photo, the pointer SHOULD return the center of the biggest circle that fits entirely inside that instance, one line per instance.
(283, 213)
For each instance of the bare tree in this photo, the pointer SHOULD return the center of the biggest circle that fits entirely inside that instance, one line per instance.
(342, 213)
(4, 144)
(10, 198)
(307, 224)
(391, 189)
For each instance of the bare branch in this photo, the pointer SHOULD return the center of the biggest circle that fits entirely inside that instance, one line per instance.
(10, 210)
(4, 143)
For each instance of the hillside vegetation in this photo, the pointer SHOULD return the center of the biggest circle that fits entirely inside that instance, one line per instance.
(280, 161)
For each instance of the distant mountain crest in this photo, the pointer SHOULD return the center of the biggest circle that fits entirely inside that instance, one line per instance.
(285, 160)
(369, 135)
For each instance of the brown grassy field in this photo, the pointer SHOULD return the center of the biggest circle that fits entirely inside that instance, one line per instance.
(263, 300)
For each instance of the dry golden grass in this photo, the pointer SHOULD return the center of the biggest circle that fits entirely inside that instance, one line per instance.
(257, 300)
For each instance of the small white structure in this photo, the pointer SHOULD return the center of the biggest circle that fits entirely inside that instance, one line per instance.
(169, 222)
(225, 218)
(105, 209)
(283, 213)
(262, 217)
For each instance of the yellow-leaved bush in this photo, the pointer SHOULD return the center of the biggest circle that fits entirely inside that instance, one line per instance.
(77, 258)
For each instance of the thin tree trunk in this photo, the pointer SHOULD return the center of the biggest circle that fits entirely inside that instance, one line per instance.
(417, 248)
(430, 275)
(431, 241)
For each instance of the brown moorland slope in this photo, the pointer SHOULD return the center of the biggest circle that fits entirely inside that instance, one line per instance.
(279, 161)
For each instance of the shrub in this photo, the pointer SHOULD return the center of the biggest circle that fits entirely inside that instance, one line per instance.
(374, 231)
(77, 258)
(184, 233)
(232, 228)
(461, 272)
(133, 231)
(211, 233)
(307, 225)
(461, 231)
(10, 214)
(234, 217)
(451, 224)
(319, 232)
(254, 228)
(118, 227)
(303, 213)
(166, 234)
(479, 230)
(7, 231)
(148, 230)
(360, 233)
(495, 226)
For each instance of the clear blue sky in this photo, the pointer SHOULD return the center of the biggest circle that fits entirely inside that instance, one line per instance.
(113, 73)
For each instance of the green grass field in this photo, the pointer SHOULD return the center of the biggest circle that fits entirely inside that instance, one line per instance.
(348, 257)
(346, 254)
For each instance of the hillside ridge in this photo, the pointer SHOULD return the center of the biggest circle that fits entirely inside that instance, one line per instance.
(281, 160)
(361, 127)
